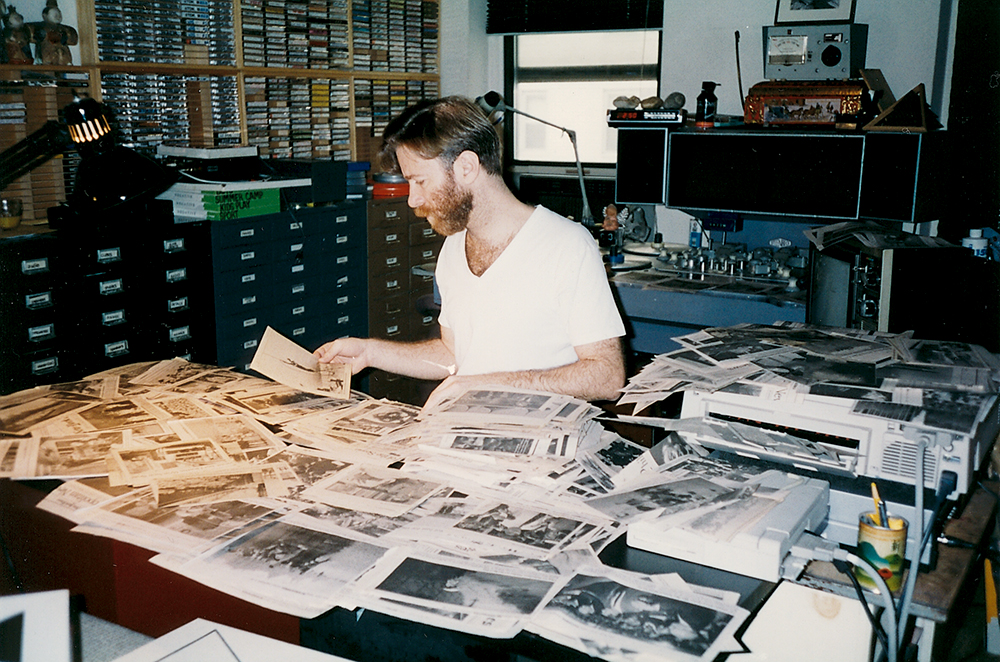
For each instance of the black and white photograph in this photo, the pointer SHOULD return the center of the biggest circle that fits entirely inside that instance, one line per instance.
(524, 527)
(811, 11)
(310, 466)
(139, 466)
(287, 363)
(184, 529)
(20, 412)
(301, 569)
(484, 443)
(659, 498)
(123, 413)
(169, 372)
(256, 482)
(179, 407)
(936, 352)
(636, 619)
(504, 405)
(373, 489)
(807, 369)
(372, 418)
(323, 517)
(470, 589)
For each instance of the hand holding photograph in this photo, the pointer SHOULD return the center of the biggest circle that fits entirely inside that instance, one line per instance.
(287, 363)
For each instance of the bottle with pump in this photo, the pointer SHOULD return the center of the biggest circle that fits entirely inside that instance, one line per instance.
(976, 242)
(708, 103)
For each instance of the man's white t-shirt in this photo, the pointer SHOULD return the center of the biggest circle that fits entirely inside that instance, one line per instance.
(546, 293)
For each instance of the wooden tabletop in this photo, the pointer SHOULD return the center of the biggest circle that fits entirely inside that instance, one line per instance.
(936, 591)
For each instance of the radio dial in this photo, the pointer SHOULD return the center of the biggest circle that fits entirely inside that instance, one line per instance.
(831, 56)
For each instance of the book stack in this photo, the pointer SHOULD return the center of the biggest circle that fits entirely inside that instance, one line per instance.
(255, 89)
(173, 109)
(252, 20)
(223, 202)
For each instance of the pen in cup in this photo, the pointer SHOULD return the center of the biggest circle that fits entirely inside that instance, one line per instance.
(881, 511)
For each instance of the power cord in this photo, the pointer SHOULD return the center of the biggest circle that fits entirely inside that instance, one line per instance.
(811, 547)
(845, 568)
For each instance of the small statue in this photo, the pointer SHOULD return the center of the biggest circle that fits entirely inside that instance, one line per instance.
(16, 37)
(52, 38)
(610, 217)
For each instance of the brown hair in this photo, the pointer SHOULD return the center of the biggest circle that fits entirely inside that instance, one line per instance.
(442, 128)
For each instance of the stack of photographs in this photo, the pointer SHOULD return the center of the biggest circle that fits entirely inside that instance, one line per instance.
(484, 513)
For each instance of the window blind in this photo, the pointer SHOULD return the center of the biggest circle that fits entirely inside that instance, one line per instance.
(519, 16)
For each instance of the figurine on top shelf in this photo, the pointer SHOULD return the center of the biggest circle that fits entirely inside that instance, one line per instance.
(16, 37)
(52, 38)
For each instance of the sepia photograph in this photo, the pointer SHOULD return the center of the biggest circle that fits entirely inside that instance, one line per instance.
(373, 490)
(77, 456)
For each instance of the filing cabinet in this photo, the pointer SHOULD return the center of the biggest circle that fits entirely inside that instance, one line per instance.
(88, 297)
(32, 321)
(399, 241)
(301, 272)
(92, 296)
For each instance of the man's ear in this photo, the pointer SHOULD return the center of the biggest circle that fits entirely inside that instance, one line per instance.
(466, 167)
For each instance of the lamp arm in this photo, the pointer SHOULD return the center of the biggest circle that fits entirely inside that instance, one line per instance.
(587, 216)
(33, 151)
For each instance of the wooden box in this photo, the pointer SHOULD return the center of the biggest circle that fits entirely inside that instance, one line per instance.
(803, 103)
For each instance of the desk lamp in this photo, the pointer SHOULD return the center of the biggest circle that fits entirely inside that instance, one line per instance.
(492, 102)
(108, 175)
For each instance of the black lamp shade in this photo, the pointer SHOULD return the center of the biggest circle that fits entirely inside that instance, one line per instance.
(111, 178)
(87, 121)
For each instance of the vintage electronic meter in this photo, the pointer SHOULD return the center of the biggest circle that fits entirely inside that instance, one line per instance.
(830, 51)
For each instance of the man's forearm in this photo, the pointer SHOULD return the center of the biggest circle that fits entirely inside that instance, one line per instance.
(598, 375)
(424, 359)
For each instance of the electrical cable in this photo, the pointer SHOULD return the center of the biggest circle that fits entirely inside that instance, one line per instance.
(949, 480)
(845, 568)
(739, 72)
(892, 634)
(906, 598)
(817, 549)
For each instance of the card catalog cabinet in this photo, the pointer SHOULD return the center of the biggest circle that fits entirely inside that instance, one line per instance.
(399, 244)
(88, 297)
(301, 272)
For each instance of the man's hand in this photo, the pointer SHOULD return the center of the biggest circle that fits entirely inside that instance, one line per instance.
(346, 350)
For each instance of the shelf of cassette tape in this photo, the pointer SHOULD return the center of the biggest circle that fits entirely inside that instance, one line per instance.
(296, 78)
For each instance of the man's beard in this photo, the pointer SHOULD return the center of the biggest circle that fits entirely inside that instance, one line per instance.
(449, 212)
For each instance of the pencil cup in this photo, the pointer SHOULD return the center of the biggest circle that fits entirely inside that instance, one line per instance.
(882, 546)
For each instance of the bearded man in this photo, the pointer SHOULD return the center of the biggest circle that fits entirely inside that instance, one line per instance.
(525, 299)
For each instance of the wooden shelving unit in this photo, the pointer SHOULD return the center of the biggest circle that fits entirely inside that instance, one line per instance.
(305, 79)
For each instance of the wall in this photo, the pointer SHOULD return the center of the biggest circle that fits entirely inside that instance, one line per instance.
(471, 61)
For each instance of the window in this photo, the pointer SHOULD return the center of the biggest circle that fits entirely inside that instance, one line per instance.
(571, 80)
